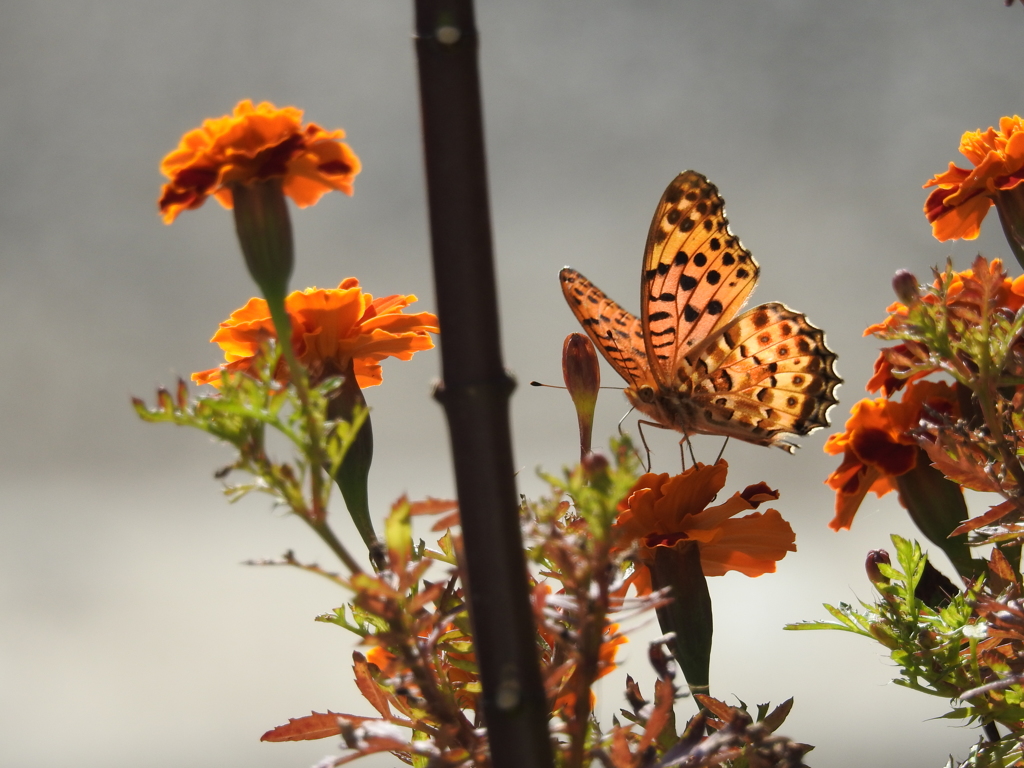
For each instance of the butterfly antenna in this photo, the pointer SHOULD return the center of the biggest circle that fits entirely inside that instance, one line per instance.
(719, 458)
(556, 386)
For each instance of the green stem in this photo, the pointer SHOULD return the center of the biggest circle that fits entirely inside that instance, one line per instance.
(984, 393)
(297, 374)
(324, 531)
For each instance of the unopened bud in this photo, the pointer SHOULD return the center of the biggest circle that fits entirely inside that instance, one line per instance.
(582, 375)
(906, 287)
(594, 464)
(875, 557)
(884, 635)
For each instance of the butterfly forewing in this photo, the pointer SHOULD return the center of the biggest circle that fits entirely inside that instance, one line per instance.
(616, 332)
(696, 273)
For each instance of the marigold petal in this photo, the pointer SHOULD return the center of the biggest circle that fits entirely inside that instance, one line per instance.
(752, 545)
(877, 448)
(962, 222)
(854, 489)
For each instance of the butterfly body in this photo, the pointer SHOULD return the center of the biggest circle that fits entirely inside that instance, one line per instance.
(691, 364)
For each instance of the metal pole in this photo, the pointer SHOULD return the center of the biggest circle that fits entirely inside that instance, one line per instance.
(476, 389)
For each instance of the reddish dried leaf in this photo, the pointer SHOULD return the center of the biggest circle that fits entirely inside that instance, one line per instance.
(310, 727)
(633, 695)
(428, 595)
(1001, 567)
(373, 746)
(997, 512)
(966, 466)
(774, 719)
(368, 686)
(719, 709)
(432, 506)
(664, 697)
(446, 522)
(620, 755)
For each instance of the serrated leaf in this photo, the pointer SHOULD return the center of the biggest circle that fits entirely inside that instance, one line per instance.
(310, 727)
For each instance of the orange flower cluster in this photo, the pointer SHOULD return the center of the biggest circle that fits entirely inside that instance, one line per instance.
(962, 298)
(330, 327)
(963, 196)
(877, 447)
(663, 511)
(253, 144)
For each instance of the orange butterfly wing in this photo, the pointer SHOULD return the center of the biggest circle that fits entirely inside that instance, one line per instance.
(614, 331)
(696, 274)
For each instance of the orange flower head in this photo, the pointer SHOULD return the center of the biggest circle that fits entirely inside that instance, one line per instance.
(877, 446)
(664, 510)
(963, 196)
(253, 144)
(330, 327)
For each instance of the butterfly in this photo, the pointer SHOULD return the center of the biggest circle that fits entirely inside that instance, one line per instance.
(690, 362)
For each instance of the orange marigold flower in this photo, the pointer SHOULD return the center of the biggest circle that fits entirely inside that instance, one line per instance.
(962, 198)
(876, 446)
(664, 510)
(330, 327)
(253, 144)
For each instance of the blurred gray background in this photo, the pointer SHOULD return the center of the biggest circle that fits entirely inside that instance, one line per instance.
(130, 635)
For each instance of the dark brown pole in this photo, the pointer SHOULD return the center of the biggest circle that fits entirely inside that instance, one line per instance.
(475, 391)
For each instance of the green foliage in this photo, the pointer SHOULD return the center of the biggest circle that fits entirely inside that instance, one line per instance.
(596, 488)
(999, 754)
(240, 414)
(942, 651)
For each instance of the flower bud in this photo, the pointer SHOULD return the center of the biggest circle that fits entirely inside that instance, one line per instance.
(265, 234)
(876, 556)
(906, 287)
(582, 375)
(594, 464)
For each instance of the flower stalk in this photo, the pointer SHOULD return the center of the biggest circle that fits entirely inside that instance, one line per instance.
(265, 235)
(476, 389)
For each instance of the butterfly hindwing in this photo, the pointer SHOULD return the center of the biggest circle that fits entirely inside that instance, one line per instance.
(616, 332)
(696, 273)
(768, 371)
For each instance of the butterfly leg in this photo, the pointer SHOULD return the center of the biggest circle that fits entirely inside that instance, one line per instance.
(635, 452)
(639, 426)
(682, 453)
(640, 429)
(721, 452)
